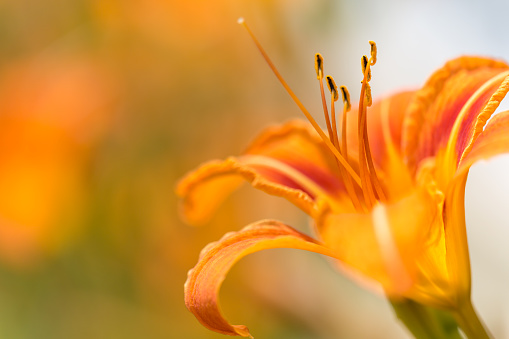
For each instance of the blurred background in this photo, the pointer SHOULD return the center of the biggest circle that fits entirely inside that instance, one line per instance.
(104, 105)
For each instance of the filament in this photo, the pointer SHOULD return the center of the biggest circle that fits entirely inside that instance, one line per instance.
(315, 125)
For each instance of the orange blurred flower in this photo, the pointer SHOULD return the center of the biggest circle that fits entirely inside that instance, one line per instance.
(52, 111)
(387, 197)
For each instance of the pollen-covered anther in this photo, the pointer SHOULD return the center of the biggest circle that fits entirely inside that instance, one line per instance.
(319, 66)
(346, 97)
(365, 63)
(332, 87)
(373, 52)
(368, 98)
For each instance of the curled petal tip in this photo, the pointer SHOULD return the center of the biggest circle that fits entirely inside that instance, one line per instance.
(204, 280)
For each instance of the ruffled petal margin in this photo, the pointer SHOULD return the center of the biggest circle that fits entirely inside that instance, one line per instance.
(494, 140)
(288, 161)
(432, 114)
(205, 279)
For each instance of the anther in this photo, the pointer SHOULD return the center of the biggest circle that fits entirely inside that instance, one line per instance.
(319, 66)
(346, 97)
(373, 52)
(319, 76)
(364, 64)
(332, 87)
(369, 100)
(313, 122)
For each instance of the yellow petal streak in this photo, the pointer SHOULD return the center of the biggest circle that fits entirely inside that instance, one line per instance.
(203, 190)
(205, 279)
(294, 142)
(458, 260)
(290, 172)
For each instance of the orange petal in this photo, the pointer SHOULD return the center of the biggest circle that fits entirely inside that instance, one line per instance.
(288, 161)
(457, 258)
(494, 140)
(204, 280)
(390, 109)
(486, 102)
(384, 244)
(434, 109)
(298, 145)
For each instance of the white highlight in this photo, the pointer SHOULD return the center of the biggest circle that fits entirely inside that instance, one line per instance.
(388, 247)
(240, 20)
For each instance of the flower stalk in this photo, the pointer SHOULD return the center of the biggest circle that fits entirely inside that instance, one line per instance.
(470, 323)
(425, 322)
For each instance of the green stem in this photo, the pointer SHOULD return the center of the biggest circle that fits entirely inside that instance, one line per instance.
(470, 323)
(423, 322)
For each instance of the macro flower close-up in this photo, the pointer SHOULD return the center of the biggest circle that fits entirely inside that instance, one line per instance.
(302, 169)
(384, 185)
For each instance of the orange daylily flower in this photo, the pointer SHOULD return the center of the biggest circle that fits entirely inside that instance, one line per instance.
(386, 194)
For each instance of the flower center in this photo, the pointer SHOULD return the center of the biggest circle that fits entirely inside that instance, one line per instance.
(367, 178)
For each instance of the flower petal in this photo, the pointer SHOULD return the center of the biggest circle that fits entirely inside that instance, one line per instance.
(474, 120)
(384, 244)
(494, 140)
(456, 244)
(288, 161)
(389, 111)
(205, 279)
(434, 109)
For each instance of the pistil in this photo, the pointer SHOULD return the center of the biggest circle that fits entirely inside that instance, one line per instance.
(310, 118)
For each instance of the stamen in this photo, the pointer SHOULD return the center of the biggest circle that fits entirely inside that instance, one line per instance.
(319, 66)
(346, 178)
(373, 53)
(332, 87)
(369, 179)
(319, 75)
(369, 100)
(335, 96)
(365, 63)
(372, 171)
(315, 125)
(346, 97)
(346, 108)
(367, 189)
